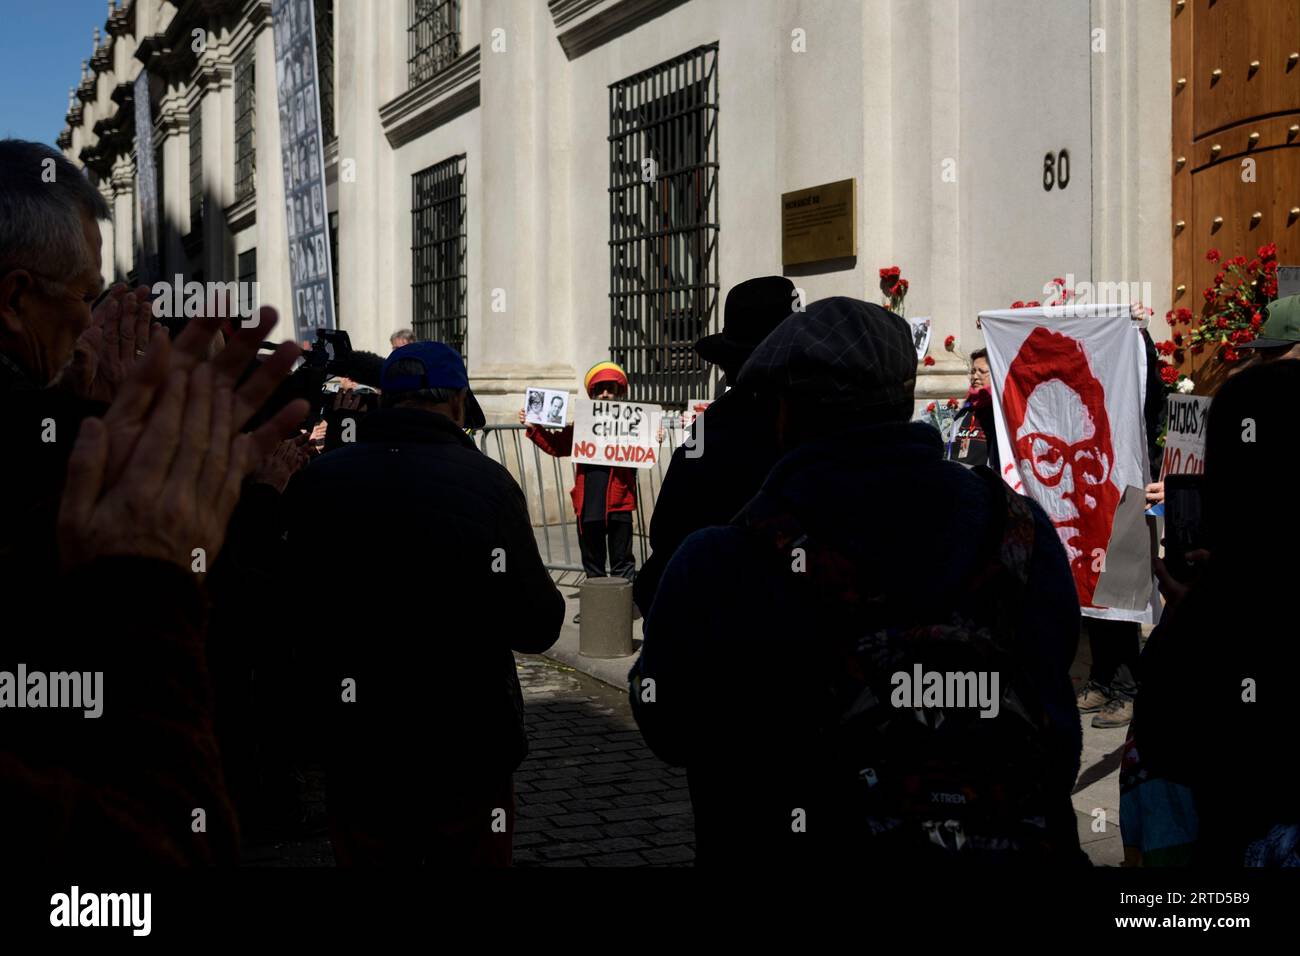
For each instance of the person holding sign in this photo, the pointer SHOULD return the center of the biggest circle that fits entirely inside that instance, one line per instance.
(604, 497)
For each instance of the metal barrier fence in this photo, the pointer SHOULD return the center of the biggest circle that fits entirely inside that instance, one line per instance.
(547, 491)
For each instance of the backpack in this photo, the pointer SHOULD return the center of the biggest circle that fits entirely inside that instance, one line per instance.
(929, 783)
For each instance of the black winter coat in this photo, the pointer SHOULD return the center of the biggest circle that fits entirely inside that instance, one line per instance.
(415, 555)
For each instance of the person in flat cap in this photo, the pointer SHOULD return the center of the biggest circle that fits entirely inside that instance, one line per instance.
(863, 551)
(702, 489)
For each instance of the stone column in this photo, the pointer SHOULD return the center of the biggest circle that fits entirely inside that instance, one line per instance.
(123, 217)
(273, 279)
(525, 344)
(215, 79)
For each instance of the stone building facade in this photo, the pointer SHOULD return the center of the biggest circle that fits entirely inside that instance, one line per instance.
(486, 165)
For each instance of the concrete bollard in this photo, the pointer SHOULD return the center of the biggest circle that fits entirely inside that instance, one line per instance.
(606, 627)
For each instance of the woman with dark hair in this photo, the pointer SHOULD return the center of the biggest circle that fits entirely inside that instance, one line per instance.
(1217, 710)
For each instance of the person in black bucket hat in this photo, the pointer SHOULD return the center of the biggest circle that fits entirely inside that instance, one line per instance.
(703, 489)
(754, 308)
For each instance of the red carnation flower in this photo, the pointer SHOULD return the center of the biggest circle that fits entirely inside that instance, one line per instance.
(1270, 267)
(890, 271)
(1230, 354)
(929, 361)
(952, 403)
(1168, 374)
(1221, 322)
(931, 407)
(1032, 304)
(949, 342)
(1218, 278)
(1184, 315)
(1058, 281)
(1166, 348)
(1213, 255)
(902, 287)
(1017, 304)
(1255, 320)
(1267, 251)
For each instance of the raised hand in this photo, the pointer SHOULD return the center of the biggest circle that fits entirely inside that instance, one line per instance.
(126, 417)
(104, 355)
(172, 497)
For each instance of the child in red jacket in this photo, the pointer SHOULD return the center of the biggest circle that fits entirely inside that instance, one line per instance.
(604, 497)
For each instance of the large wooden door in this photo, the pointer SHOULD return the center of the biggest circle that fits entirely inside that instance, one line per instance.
(1236, 135)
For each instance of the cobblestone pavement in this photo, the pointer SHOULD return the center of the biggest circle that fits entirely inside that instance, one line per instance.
(590, 792)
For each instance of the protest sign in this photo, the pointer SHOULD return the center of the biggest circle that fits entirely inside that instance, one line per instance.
(302, 154)
(920, 335)
(545, 406)
(1185, 438)
(1068, 387)
(616, 433)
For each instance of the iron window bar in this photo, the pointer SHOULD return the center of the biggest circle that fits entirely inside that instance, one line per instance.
(433, 37)
(664, 225)
(245, 115)
(325, 66)
(196, 169)
(439, 278)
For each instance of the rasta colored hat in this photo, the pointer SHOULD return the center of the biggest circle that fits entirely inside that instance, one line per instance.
(604, 372)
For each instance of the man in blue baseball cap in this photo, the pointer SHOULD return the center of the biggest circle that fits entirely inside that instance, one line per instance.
(426, 554)
(431, 374)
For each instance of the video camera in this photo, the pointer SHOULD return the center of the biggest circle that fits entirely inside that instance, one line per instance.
(330, 355)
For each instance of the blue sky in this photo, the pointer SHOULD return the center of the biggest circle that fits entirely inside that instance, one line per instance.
(42, 44)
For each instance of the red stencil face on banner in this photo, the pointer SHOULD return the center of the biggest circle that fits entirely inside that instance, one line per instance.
(1059, 432)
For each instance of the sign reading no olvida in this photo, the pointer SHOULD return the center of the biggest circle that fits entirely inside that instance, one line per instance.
(616, 433)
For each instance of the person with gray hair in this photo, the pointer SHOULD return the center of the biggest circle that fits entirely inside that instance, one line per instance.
(401, 337)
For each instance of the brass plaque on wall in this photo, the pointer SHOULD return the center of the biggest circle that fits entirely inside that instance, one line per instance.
(819, 223)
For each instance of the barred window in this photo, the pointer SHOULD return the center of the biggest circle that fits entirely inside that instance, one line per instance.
(245, 114)
(196, 169)
(325, 66)
(438, 275)
(247, 266)
(433, 37)
(663, 233)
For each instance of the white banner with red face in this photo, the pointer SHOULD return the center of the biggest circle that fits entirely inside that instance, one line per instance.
(1068, 387)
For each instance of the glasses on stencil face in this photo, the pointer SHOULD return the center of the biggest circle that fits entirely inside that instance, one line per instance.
(1049, 456)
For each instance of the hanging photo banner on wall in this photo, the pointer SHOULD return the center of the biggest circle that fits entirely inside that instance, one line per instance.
(147, 181)
(302, 156)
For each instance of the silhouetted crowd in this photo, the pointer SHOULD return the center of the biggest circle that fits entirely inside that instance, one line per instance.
(224, 560)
